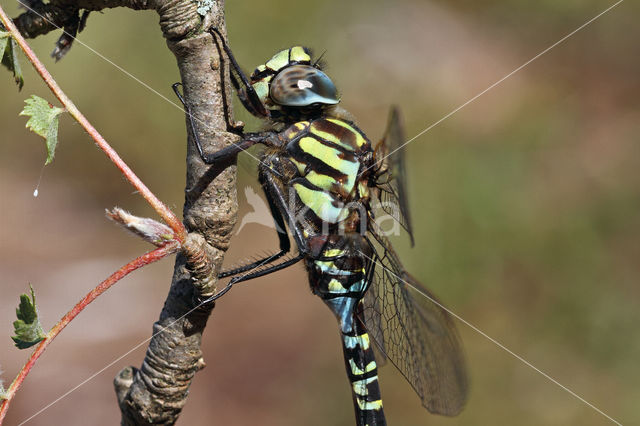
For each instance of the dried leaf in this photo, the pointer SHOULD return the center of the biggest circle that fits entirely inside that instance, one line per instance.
(9, 57)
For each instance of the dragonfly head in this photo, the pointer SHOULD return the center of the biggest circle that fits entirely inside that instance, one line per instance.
(301, 86)
(291, 85)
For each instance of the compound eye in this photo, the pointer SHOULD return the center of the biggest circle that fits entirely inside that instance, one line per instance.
(303, 85)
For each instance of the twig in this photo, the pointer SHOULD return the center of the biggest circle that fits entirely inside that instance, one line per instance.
(167, 215)
(159, 389)
(137, 263)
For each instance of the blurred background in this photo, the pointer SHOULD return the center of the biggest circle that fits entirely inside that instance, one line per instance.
(525, 206)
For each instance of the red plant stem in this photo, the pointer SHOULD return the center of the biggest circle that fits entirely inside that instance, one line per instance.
(167, 215)
(137, 263)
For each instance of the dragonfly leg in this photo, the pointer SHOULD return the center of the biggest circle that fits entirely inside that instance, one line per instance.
(269, 270)
(249, 139)
(247, 94)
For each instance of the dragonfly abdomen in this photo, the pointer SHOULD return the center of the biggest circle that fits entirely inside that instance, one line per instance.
(339, 277)
(362, 371)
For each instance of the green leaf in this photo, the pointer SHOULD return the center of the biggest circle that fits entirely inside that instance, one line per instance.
(27, 328)
(43, 120)
(9, 57)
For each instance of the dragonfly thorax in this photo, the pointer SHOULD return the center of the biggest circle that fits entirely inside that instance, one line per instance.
(328, 155)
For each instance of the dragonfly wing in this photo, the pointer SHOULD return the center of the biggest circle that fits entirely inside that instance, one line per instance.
(372, 317)
(416, 334)
(391, 172)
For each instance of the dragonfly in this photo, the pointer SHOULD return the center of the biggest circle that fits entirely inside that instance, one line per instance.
(321, 176)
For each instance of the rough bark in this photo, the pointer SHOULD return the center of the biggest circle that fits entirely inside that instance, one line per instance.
(156, 392)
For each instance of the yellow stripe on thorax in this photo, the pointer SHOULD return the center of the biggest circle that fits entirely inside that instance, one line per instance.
(300, 165)
(360, 141)
(327, 154)
(323, 182)
(331, 157)
(301, 125)
(321, 204)
(295, 129)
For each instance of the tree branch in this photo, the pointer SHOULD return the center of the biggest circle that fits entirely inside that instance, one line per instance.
(156, 393)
